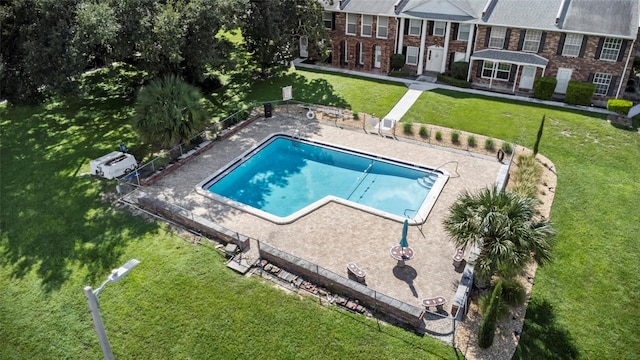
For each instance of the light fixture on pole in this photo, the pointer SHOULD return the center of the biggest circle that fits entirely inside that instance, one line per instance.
(92, 299)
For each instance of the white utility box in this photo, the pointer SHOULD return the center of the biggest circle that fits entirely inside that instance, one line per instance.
(113, 165)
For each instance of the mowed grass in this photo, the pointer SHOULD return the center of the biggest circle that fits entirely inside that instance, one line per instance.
(59, 235)
(584, 304)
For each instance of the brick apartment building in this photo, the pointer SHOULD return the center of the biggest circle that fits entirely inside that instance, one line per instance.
(508, 43)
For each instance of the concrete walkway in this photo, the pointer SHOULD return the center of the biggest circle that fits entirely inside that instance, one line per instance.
(405, 103)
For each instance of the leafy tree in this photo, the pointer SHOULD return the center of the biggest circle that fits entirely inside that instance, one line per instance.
(505, 228)
(272, 29)
(97, 32)
(169, 111)
(37, 51)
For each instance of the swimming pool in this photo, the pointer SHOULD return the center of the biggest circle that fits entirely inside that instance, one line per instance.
(284, 178)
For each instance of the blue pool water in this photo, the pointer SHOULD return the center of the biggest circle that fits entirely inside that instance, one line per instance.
(285, 176)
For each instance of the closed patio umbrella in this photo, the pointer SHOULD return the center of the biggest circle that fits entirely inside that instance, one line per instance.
(403, 241)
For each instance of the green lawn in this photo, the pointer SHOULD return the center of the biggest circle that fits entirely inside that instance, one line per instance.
(58, 235)
(584, 303)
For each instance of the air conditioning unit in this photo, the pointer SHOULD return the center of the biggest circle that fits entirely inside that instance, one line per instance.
(113, 165)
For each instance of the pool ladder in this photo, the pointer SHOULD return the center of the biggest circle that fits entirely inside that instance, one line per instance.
(426, 181)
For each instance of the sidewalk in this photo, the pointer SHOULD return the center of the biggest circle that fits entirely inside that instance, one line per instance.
(417, 87)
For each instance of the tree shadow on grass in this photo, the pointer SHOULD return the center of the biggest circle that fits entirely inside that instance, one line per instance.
(542, 336)
(243, 89)
(52, 217)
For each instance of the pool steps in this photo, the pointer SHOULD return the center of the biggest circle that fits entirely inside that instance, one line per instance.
(427, 181)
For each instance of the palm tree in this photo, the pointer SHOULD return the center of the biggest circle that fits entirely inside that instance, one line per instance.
(168, 111)
(504, 226)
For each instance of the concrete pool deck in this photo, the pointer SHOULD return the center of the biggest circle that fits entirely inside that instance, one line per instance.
(334, 235)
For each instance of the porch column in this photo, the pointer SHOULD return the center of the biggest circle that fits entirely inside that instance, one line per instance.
(515, 79)
(423, 36)
(400, 36)
(493, 74)
(472, 29)
(445, 56)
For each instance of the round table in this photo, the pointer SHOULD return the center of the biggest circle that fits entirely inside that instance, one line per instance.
(402, 254)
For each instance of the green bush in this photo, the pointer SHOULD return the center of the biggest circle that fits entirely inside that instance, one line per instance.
(579, 93)
(455, 137)
(636, 64)
(488, 324)
(544, 87)
(408, 128)
(439, 135)
(424, 133)
(400, 73)
(513, 292)
(459, 70)
(471, 141)
(397, 61)
(507, 148)
(453, 82)
(620, 106)
(489, 144)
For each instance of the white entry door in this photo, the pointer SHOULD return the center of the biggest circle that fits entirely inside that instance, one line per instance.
(527, 78)
(304, 43)
(434, 59)
(563, 77)
(377, 60)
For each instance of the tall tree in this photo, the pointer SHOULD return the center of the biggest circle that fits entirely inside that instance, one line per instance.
(169, 111)
(504, 226)
(97, 32)
(272, 29)
(37, 50)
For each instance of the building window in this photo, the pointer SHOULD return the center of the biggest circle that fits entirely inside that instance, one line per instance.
(383, 27)
(572, 45)
(361, 54)
(602, 82)
(327, 18)
(439, 28)
(367, 24)
(496, 39)
(463, 32)
(610, 49)
(531, 40)
(415, 27)
(412, 55)
(351, 24)
(502, 71)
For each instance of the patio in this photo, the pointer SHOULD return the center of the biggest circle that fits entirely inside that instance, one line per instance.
(336, 235)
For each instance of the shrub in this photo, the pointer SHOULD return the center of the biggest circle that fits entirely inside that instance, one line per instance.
(424, 133)
(397, 61)
(513, 292)
(527, 176)
(636, 63)
(407, 128)
(507, 148)
(459, 70)
(619, 105)
(488, 324)
(400, 73)
(453, 82)
(544, 87)
(579, 93)
(471, 141)
(439, 135)
(455, 137)
(489, 145)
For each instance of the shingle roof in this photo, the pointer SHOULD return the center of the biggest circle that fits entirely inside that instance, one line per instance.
(602, 17)
(373, 7)
(613, 17)
(514, 57)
